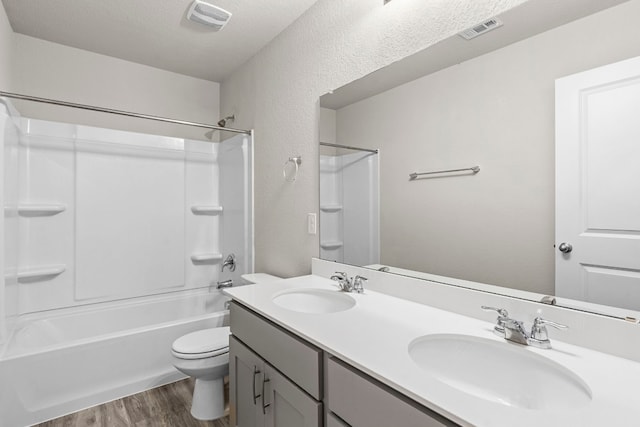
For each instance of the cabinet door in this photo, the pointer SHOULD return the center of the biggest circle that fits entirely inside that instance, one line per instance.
(291, 355)
(361, 401)
(286, 405)
(246, 372)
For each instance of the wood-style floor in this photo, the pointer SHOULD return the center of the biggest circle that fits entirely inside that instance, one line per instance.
(166, 406)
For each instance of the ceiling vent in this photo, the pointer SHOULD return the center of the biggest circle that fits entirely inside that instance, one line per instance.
(208, 14)
(479, 29)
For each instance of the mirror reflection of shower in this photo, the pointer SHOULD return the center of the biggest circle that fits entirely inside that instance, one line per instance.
(349, 204)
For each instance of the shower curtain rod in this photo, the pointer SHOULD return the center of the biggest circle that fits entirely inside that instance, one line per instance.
(119, 112)
(328, 144)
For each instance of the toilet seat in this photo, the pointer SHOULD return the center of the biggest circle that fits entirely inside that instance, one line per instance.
(202, 344)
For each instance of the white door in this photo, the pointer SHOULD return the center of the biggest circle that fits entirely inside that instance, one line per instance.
(598, 185)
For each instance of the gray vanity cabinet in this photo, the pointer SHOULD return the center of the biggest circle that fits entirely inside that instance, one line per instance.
(288, 405)
(262, 397)
(357, 400)
(245, 386)
(278, 379)
(260, 394)
(333, 421)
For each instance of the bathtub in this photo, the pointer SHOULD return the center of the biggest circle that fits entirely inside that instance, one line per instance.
(58, 363)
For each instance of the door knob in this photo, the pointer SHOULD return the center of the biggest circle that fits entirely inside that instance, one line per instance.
(565, 248)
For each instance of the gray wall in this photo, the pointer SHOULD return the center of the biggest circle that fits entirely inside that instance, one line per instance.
(496, 111)
(327, 126)
(277, 91)
(6, 51)
(52, 70)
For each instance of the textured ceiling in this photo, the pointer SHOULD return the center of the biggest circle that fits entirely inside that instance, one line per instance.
(156, 32)
(526, 20)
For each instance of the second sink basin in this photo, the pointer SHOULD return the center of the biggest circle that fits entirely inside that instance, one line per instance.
(501, 372)
(318, 301)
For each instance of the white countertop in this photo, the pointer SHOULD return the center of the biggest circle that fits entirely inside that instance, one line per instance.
(374, 336)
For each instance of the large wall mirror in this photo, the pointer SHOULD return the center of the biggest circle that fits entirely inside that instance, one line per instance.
(501, 107)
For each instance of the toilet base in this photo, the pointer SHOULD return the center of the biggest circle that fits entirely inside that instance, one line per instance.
(208, 399)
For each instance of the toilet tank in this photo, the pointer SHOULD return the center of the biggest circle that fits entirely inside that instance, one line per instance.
(252, 278)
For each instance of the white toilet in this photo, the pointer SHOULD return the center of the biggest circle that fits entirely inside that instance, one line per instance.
(204, 355)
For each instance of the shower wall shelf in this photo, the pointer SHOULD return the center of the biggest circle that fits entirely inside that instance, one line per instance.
(208, 257)
(36, 210)
(42, 272)
(331, 208)
(331, 245)
(206, 210)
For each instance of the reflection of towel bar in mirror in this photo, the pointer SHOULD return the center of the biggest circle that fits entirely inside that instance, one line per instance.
(474, 169)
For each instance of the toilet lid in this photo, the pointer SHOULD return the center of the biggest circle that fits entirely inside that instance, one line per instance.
(260, 277)
(201, 344)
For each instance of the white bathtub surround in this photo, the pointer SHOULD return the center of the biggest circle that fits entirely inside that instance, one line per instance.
(10, 134)
(103, 262)
(127, 228)
(375, 335)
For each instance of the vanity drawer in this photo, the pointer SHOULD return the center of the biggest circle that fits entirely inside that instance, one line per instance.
(296, 359)
(362, 401)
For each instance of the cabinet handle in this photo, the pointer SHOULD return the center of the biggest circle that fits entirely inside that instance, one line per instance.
(264, 406)
(256, 371)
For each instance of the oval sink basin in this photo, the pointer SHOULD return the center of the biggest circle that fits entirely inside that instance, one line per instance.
(500, 372)
(318, 301)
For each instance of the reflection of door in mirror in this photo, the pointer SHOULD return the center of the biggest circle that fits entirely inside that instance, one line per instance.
(597, 185)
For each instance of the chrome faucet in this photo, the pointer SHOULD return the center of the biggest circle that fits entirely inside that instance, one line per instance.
(225, 284)
(355, 284)
(539, 336)
(502, 316)
(343, 281)
(514, 330)
(358, 284)
(230, 262)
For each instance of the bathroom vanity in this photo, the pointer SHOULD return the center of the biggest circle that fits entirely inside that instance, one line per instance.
(260, 350)
(303, 353)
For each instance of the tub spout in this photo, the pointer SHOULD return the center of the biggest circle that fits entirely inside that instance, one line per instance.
(225, 284)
